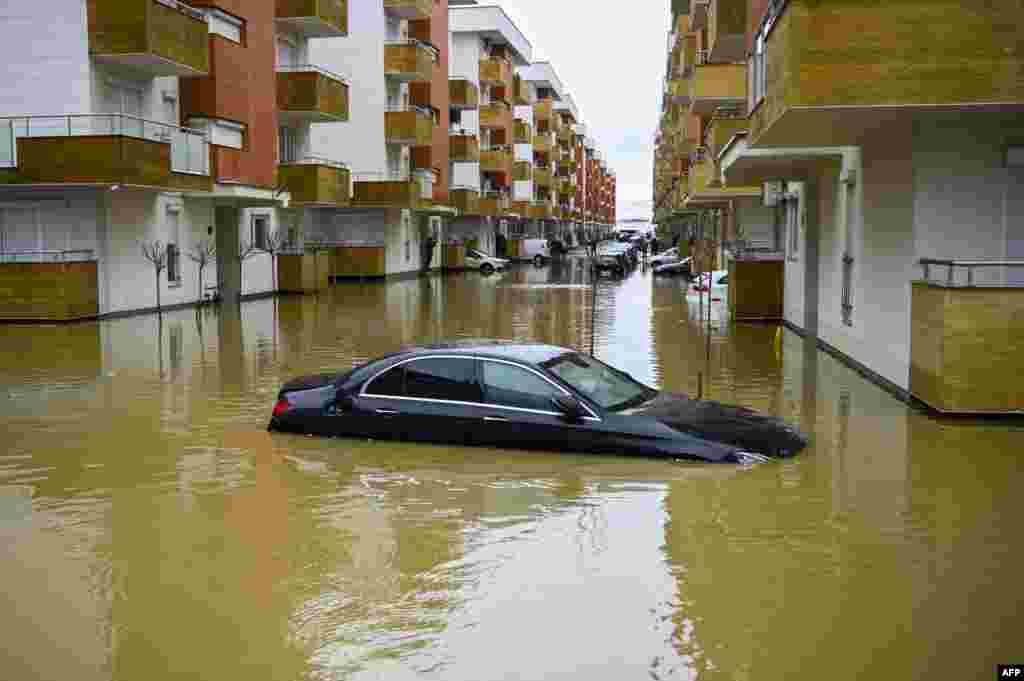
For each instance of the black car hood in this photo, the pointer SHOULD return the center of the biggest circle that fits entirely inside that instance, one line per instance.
(743, 428)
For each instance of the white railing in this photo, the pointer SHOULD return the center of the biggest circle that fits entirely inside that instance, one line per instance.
(434, 53)
(382, 176)
(80, 255)
(312, 68)
(189, 147)
(400, 108)
(184, 9)
(463, 188)
(969, 266)
(460, 132)
(314, 161)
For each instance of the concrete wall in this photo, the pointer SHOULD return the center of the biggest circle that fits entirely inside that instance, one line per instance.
(43, 45)
(360, 57)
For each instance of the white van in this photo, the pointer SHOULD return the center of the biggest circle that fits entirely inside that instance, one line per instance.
(533, 250)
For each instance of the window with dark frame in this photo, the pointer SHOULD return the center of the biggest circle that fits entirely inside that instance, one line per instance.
(173, 264)
(260, 226)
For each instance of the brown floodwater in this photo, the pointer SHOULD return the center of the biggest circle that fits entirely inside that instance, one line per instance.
(150, 527)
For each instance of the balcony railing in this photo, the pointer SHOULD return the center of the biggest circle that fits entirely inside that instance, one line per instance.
(464, 148)
(466, 199)
(521, 132)
(496, 159)
(157, 37)
(408, 125)
(391, 189)
(316, 181)
(314, 18)
(496, 71)
(463, 94)
(308, 93)
(409, 60)
(495, 115)
(101, 148)
(966, 335)
(78, 255)
(409, 9)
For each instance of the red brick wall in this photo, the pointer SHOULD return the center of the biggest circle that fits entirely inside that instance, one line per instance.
(439, 95)
(241, 87)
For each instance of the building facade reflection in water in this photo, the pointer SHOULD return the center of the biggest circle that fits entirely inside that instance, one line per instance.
(149, 523)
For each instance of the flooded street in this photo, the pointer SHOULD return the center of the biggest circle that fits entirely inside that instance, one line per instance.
(150, 527)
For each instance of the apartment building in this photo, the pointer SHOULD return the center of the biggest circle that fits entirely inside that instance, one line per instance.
(895, 166)
(148, 122)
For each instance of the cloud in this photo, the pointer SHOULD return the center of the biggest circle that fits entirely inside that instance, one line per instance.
(611, 58)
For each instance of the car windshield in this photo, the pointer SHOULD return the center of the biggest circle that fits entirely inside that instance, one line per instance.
(478, 254)
(608, 387)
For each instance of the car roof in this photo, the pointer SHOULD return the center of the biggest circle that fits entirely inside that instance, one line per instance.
(536, 353)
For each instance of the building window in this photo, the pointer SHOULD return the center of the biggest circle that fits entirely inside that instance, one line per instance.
(225, 25)
(288, 144)
(260, 227)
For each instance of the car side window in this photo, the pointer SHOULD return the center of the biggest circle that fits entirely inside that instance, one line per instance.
(507, 385)
(390, 383)
(442, 379)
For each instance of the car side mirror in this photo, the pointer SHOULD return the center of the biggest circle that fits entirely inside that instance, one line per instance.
(570, 407)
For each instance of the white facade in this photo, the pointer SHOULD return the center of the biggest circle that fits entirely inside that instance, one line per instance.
(932, 188)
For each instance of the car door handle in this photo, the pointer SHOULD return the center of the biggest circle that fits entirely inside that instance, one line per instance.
(499, 419)
(387, 412)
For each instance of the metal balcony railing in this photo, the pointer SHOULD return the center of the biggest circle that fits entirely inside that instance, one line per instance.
(968, 266)
(309, 160)
(189, 147)
(79, 255)
(312, 68)
(435, 54)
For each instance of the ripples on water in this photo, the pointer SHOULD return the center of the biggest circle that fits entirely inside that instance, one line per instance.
(150, 524)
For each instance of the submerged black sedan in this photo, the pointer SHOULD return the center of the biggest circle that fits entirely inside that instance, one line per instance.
(508, 394)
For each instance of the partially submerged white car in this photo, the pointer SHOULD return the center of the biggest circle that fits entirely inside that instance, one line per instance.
(487, 264)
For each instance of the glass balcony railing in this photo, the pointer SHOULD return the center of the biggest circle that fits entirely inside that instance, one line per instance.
(189, 149)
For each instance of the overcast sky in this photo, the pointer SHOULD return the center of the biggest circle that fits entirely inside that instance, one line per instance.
(611, 58)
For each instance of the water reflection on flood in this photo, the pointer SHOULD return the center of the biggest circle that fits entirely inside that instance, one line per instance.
(151, 528)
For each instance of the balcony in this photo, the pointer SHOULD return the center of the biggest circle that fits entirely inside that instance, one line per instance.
(48, 286)
(521, 132)
(727, 30)
(103, 149)
(496, 115)
(465, 199)
(495, 71)
(566, 168)
(717, 85)
(566, 135)
(309, 94)
(827, 85)
(408, 126)
(542, 177)
(522, 171)
(496, 160)
(520, 92)
(543, 112)
(315, 182)
(151, 37)
(542, 143)
(720, 131)
(409, 9)
(313, 18)
(699, 15)
(463, 147)
(679, 91)
(966, 337)
(541, 210)
(409, 60)
(493, 204)
(390, 190)
(463, 94)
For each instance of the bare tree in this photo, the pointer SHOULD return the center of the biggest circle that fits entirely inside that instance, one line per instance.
(202, 254)
(156, 253)
(273, 245)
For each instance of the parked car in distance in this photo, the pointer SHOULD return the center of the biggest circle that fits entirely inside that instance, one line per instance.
(486, 263)
(511, 394)
(613, 257)
(707, 281)
(534, 250)
(681, 267)
(665, 257)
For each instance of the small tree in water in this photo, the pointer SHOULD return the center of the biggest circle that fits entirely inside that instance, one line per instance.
(202, 254)
(273, 245)
(156, 253)
(246, 249)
